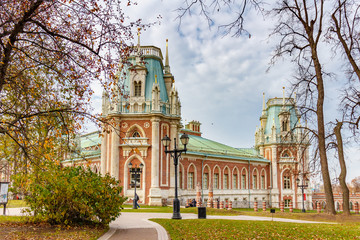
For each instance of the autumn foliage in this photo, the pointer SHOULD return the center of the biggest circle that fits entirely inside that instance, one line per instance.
(50, 54)
(71, 195)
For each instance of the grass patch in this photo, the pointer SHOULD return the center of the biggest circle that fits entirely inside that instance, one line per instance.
(298, 215)
(311, 215)
(16, 227)
(15, 204)
(157, 209)
(145, 208)
(236, 229)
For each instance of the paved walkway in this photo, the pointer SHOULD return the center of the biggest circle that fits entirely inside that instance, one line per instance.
(136, 225)
(12, 212)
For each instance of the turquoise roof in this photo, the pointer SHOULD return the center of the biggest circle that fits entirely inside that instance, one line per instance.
(197, 146)
(154, 67)
(204, 147)
(90, 139)
(273, 112)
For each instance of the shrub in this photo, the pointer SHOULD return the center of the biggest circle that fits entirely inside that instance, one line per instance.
(69, 195)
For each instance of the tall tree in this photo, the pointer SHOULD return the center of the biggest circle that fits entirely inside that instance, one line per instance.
(50, 53)
(344, 32)
(300, 26)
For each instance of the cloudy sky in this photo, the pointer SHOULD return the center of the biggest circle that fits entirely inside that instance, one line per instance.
(220, 79)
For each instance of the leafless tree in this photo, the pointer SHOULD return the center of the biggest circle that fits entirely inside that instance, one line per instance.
(302, 26)
(208, 7)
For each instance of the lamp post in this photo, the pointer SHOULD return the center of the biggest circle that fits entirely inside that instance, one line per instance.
(136, 172)
(175, 154)
(302, 186)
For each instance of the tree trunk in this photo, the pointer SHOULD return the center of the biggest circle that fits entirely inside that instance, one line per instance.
(330, 206)
(342, 176)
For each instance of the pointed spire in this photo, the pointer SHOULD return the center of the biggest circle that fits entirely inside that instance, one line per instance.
(155, 79)
(138, 45)
(263, 114)
(283, 96)
(263, 101)
(167, 66)
(138, 48)
(295, 99)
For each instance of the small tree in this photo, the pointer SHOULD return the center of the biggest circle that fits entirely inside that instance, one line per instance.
(71, 195)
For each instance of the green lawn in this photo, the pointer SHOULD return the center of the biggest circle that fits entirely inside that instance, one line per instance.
(13, 227)
(297, 214)
(235, 229)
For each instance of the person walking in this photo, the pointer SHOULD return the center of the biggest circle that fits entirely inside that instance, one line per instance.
(136, 201)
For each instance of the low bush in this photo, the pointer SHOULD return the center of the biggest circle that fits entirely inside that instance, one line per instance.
(71, 195)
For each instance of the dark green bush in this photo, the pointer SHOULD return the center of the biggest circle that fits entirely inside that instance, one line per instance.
(71, 195)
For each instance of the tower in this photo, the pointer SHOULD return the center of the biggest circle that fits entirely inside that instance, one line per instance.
(146, 111)
(281, 139)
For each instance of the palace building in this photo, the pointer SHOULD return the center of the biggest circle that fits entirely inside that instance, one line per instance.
(151, 110)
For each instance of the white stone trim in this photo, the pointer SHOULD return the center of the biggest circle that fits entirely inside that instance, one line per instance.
(167, 156)
(126, 176)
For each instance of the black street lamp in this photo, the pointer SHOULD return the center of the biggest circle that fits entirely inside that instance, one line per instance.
(136, 171)
(175, 153)
(302, 186)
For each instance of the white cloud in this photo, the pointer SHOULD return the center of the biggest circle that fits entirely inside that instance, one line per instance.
(221, 79)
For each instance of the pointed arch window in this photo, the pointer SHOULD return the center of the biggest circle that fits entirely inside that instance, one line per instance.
(191, 177)
(191, 180)
(216, 181)
(286, 154)
(262, 181)
(255, 176)
(285, 125)
(243, 180)
(137, 89)
(206, 181)
(136, 134)
(235, 181)
(226, 178)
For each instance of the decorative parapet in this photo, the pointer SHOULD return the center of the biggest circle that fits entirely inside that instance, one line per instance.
(287, 160)
(140, 107)
(135, 142)
(137, 145)
(279, 101)
(148, 51)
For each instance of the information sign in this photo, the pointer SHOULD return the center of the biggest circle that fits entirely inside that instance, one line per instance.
(4, 187)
